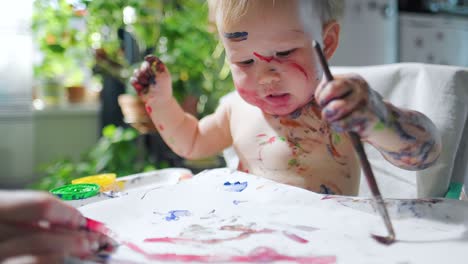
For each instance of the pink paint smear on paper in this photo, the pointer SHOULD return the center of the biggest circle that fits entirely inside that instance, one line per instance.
(245, 233)
(295, 237)
(258, 255)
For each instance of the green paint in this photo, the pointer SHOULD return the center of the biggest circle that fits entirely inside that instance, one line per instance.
(293, 162)
(379, 126)
(282, 139)
(171, 141)
(336, 139)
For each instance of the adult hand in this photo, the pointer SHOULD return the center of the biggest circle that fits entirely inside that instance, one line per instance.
(36, 227)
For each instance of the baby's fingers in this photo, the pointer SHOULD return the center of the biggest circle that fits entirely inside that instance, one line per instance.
(344, 106)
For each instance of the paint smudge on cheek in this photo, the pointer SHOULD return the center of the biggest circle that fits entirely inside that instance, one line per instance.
(251, 97)
(175, 215)
(235, 186)
(161, 127)
(300, 68)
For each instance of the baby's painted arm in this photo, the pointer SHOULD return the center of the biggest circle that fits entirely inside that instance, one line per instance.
(182, 132)
(406, 138)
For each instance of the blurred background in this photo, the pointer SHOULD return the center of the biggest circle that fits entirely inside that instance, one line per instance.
(66, 108)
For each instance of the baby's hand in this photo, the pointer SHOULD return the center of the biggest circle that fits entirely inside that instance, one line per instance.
(152, 81)
(348, 104)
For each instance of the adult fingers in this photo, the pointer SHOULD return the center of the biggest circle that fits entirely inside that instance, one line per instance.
(75, 243)
(41, 259)
(33, 206)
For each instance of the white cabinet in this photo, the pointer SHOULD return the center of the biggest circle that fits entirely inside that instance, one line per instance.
(369, 33)
(65, 132)
(439, 39)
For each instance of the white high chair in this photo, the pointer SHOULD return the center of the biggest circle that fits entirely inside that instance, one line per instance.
(441, 93)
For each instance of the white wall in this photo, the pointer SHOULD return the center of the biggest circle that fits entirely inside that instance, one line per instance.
(16, 127)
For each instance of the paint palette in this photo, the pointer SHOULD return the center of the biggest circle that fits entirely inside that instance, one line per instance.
(220, 216)
(152, 179)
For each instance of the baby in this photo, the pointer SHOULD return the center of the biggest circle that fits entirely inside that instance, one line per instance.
(285, 122)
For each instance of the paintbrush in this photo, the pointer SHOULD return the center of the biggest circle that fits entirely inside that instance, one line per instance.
(356, 141)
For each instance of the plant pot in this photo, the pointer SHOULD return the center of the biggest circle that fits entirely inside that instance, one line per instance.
(134, 112)
(75, 94)
(51, 92)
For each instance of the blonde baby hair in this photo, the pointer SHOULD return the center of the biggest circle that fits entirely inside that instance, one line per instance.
(227, 12)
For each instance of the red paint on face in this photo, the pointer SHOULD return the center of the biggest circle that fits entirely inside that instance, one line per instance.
(261, 135)
(161, 127)
(149, 110)
(300, 68)
(263, 58)
(251, 97)
(271, 140)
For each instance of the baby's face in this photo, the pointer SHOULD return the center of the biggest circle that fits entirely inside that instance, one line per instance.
(272, 61)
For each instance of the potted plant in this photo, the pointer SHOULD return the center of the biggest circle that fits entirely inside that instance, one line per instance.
(58, 30)
(194, 56)
(117, 151)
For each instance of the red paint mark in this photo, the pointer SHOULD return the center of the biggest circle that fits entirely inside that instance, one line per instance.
(315, 109)
(185, 177)
(258, 255)
(246, 232)
(328, 197)
(295, 237)
(251, 97)
(301, 169)
(267, 59)
(290, 123)
(241, 167)
(96, 226)
(171, 240)
(271, 140)
(261, 135)
(161, 127)
(301, 69)
(149, 109)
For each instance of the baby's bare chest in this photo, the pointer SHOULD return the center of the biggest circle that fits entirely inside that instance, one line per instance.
(302, 151)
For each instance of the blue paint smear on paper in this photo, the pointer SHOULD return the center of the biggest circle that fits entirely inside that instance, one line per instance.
(176, 214)
(235, 186)
(236, 202)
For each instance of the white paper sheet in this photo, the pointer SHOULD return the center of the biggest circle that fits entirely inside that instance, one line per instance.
(221, 216)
